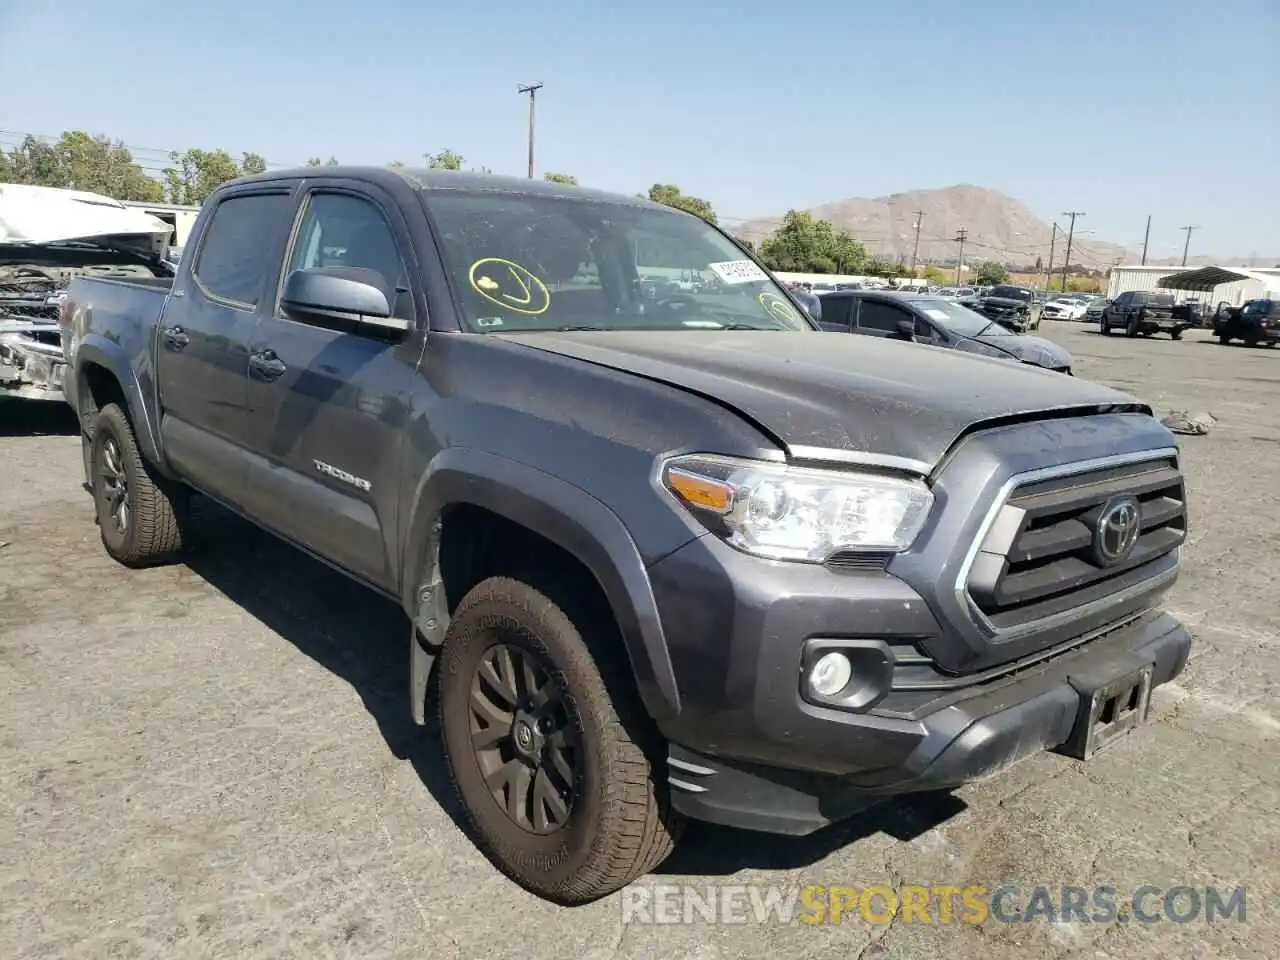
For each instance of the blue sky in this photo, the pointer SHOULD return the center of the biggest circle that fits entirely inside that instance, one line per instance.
(1118, 109)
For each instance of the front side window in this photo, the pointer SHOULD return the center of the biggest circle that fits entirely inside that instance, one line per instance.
(236, 252)
(521, 262)
(341, 230)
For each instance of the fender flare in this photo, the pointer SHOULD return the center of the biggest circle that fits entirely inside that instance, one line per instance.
(109, 355)
(564, 514)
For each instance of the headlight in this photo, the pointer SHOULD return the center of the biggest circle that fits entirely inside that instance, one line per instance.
(782, 512)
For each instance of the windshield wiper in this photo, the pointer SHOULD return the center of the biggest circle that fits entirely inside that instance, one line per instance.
(572, 327)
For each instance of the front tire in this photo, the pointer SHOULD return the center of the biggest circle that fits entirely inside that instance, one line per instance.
(140, 514)
(544, 744)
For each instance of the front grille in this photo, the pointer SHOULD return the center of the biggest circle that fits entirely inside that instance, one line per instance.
(1040, 557)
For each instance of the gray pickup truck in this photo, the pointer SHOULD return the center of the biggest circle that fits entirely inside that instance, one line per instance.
(663, 554)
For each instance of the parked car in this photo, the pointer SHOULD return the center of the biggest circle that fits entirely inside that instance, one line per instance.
(1139, 313)
(1093, 310)
(1064, 308)
(920, 318)
(1016, 308)
(1257, 321)
(660, 557)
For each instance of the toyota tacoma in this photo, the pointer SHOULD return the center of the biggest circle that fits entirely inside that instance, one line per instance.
(662, 554)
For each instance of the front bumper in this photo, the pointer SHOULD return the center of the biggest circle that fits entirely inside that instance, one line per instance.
(974, 735)
(30, 369)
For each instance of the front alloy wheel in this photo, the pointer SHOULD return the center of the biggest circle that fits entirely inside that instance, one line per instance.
(522, 738)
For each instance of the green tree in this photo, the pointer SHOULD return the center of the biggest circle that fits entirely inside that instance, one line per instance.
(805, 245)
(566, 178)
(933, 274)
(670, 195)
(444, 160)
(199, 172)
(81, 162)
(331, 162)
(251, 164)
(991, 273)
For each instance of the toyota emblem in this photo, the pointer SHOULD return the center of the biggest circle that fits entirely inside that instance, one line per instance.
(1119, 527)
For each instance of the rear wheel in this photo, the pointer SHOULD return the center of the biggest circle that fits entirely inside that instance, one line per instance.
(1224, 339)
(140, 513)
(544, 744)
(1176, 334)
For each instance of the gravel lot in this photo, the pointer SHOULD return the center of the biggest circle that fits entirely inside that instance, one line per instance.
(214, 760)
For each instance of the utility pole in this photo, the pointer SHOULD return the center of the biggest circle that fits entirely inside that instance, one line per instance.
(1071, 230)
(1053, 240)
(1145, 240)
(916, 249)
(1187, 246)
(532, 90)
(960, 237)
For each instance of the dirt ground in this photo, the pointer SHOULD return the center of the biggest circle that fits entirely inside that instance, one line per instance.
(214, 760)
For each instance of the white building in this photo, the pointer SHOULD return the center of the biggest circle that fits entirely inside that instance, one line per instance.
(180, 218)
(1213, 285)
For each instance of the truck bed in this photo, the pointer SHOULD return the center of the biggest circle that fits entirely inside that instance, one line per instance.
(118, 312)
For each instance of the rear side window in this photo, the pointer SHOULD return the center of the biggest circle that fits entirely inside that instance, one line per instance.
(836, 310)
(881, 317)
(239, 246)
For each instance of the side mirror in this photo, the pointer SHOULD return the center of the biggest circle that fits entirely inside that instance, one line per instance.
(352, 298)
(906, 329)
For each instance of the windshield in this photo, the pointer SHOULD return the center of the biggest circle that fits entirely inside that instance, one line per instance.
(522, 262)
(959, 319)
(1011, 293)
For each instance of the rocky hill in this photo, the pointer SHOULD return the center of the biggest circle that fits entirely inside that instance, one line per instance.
(999, 228)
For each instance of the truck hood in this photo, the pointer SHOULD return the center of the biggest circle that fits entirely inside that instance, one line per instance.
(39, 216)
(870, 396)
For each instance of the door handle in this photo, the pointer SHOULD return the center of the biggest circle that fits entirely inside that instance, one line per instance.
(266, 365)
(175, 338)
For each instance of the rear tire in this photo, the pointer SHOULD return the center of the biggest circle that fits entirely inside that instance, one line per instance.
(140, 513)
(571, 712)
(1175, 334)
(1224, 339)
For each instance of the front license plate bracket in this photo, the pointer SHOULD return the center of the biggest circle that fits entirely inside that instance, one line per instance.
(1108, 711)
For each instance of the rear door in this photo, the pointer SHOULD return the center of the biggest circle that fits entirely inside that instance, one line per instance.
(332, 404)
(203, 342)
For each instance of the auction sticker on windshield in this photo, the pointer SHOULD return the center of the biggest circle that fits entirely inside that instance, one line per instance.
(738, 271)
(940, 315)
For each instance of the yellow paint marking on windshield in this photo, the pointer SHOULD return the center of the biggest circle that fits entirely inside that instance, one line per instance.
(778, 308)
(510, 286)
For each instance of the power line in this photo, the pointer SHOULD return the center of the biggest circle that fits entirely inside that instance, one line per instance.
(1070, 234)
(1186, 247)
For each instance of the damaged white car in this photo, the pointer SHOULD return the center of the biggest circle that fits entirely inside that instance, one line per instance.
(48, 236)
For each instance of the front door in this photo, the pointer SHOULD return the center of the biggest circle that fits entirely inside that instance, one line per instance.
(203, 344)
(332, 405)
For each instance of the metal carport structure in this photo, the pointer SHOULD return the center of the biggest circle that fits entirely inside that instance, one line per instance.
(1208, 279)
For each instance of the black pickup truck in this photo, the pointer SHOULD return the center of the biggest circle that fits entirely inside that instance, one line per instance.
(662, 554)
(1139, 313)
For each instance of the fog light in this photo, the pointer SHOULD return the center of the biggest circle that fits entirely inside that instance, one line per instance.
(830, 674)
